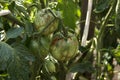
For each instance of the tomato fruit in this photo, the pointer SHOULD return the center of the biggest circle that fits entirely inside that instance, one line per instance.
(34, 47)
(53, 78)
(45, 22)
(63, 49)
(50, 66)
(44, 46)
(40, 47)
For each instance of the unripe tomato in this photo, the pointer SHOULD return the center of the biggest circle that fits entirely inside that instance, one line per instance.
(45, 22)
(50, 66)
(34, 47)
(44, 46)
(40, 47)
(63, 49)
(53, 78)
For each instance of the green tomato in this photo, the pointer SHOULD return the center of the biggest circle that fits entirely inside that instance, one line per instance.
(34, 47)
(52, 27)
(44, 46)
(63, 49)
(39, 47)
(53, 78)
(45, 22)
(50, 66)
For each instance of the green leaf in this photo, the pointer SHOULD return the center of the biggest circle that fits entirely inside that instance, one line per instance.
(15, 59)
(19, 67)
(102, 5)
(22, 9)
(82, 67)
(60, 1)
(6, 53)
(14, 32)
(117, 19)
(116, 53)
(68, 9)
(1, 25)
(3, 75)
(28, 28)
(23, 52)
(11, 6)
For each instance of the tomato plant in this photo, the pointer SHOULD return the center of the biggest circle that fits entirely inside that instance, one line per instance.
(47, 40)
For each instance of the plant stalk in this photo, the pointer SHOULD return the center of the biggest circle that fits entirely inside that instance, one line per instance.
(87, 23)
(99, 40)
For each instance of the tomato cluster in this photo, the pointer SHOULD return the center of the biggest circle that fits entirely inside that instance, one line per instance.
(62, 48)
